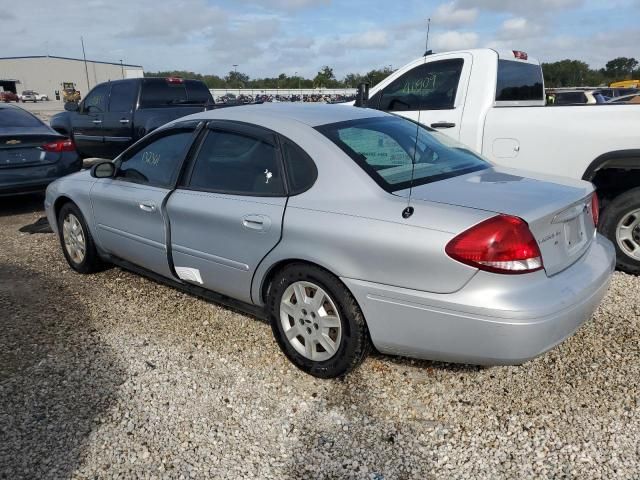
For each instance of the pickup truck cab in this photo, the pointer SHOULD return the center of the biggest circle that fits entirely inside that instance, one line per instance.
(494, 102)
(116, 114)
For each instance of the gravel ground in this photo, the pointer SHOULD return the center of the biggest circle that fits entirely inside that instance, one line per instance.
(115, 376)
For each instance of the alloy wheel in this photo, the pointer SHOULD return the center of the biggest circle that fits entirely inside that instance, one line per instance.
(73, 236)
(310, 321)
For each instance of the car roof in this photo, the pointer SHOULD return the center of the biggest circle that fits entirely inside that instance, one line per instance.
(309, 114)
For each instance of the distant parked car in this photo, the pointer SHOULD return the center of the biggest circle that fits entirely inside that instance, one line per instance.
(8, 96)
(42, 97)
(618, 92)
(633, 98)
(28, 96)
(32, 154)
(345, 225)
(578, 97)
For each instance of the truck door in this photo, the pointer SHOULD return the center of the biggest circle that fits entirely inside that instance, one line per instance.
(117, 122)
(431, 91)
(86, 123)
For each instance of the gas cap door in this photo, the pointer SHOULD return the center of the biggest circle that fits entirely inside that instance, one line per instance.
(506, 148)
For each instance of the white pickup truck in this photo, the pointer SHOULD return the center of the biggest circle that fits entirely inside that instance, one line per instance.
(494, 103)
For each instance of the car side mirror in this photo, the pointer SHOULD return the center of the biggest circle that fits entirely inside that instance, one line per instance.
(106, 169)
(71, 107)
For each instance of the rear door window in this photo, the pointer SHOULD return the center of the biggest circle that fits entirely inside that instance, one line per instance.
(238, 164)
(519, 81)
(430, 86)
(123, 96)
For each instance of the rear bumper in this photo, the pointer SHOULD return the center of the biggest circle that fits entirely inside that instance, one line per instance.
(494, 319)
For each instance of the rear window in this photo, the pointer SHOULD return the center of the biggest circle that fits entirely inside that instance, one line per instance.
(14, 117)
(158, 92)
(387, 149)
(518, 81)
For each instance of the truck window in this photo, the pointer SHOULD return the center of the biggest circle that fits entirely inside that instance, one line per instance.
(96, 101)
(430, 86)
(518, 81)
(197, 92)
(160, 92)
(123, 96)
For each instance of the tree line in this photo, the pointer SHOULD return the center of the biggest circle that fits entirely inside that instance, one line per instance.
(565, 73)
(325, 78)
(575, 73)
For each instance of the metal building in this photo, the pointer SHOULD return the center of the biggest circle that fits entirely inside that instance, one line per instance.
(46, 74)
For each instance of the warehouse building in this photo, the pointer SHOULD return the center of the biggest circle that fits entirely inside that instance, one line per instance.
(47, 74)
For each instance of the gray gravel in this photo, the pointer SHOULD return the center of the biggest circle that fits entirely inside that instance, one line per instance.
(115, 376)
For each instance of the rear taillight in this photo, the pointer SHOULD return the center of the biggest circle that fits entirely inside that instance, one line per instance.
(59, 146)
(501, 244)
(174, 80)
(595, 209)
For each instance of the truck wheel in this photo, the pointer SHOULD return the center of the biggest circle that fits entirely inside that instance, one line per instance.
(621, 224)
(316, 321)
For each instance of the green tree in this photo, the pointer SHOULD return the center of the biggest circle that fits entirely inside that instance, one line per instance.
(325, 77)
(567, 73)
(620, 68)
(236, 79)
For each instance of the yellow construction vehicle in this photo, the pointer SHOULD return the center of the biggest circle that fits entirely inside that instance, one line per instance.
(69, 92)
(626, 84)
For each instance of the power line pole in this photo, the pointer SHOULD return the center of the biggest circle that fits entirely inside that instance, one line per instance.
(86, 69)
(122, 68)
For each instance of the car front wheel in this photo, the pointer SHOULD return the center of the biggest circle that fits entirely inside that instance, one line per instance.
(317, 322)
(77, 243)
(621, 224)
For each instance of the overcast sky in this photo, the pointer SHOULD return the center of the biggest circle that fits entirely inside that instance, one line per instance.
(272, 36)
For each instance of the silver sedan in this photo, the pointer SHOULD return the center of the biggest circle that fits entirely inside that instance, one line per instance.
(347, 228)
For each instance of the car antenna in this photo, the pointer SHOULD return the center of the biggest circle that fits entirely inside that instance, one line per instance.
(408, 211)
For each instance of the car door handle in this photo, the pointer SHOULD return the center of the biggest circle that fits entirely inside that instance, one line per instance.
(147, 206)
(124, 121)
(97, 122)
(443, 125)
(256, 222)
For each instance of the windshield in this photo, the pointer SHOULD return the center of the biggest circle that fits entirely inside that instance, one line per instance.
(385, 148)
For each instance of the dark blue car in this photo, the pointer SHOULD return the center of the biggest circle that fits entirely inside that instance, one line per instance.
(32, 154)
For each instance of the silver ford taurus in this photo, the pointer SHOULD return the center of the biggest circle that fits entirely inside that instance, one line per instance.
(346, 228)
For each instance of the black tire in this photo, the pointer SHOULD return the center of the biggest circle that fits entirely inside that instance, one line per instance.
(354, 344)
(612, 215)
(91, 262)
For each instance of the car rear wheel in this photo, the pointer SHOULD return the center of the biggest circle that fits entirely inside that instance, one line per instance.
(77, 243)
(621, 224)
(317, 322)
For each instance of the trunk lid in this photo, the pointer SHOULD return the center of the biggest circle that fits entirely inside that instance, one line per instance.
(20, 150)
(557, 210)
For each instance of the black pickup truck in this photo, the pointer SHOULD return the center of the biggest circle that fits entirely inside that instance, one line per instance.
(115, 114)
